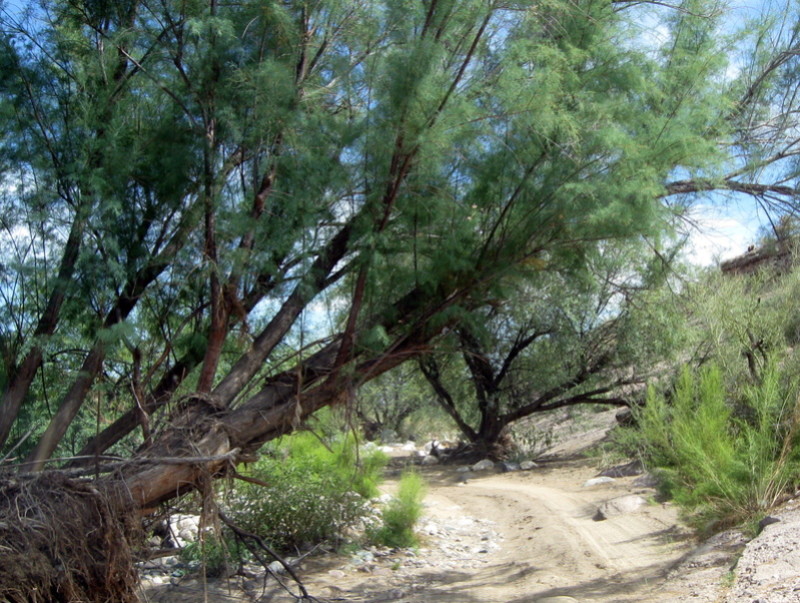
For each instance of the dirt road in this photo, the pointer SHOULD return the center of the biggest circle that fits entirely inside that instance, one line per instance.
(549, 543)
(521, 536)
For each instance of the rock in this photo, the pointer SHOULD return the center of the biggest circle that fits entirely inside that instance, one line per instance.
(483, 465)
(527, 465)
(430, 460)
(363, 557)
(621, 506)
(188, 535)
(646, 481)
(431, 446)
(185, 522)
(507, 467)
(597, 481)
(338, 574)
(767, 521)
(409, 446)
(276, 567)
(463, 469)
(626, 470)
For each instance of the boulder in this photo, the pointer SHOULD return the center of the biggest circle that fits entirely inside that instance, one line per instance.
(527, 465)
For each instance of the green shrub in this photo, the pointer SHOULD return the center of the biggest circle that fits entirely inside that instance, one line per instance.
(315, 493)
(724, 464)
(216, 554)
(401, 514)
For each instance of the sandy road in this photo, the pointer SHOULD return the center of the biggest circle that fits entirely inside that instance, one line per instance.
(551, 544)
(543, 545)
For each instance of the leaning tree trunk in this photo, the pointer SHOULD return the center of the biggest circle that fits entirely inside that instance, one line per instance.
(47, 519)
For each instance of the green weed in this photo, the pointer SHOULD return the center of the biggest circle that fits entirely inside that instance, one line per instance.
(724, 463)
(401, 514)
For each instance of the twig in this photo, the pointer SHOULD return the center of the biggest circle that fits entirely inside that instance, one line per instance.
(244, 535)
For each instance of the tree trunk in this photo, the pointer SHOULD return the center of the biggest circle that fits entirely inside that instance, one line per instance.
(23, 377)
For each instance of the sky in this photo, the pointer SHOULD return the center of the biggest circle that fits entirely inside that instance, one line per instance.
(722, 232)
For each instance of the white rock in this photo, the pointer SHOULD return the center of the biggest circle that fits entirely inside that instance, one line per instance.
(188, 535)
(430, 446)
(430, 460)
(622, 505)
(185, 522)
(483, 465)
(276, 567)
(596, 481)
(527, 465)
(409, 446)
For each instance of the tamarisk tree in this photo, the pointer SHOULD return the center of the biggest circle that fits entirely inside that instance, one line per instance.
(594, 337)
(184, 181)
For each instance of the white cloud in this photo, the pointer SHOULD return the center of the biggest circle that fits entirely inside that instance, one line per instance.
(719, 233)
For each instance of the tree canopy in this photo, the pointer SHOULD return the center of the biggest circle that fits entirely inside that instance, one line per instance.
(184, 183)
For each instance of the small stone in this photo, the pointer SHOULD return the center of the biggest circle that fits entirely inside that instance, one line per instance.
(622, 505)
(483, 465)
(276, 567)
(645, 481)
(430, 460)
(463, 469)
(626, 470)
(527, 465)
(596, 481)
(334, 573)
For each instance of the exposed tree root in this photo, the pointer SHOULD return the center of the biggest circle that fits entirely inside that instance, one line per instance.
(64, 540)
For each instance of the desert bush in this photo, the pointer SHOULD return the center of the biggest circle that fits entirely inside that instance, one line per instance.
(401, 514)
(315, 492)
(724, 463)
(217, 554)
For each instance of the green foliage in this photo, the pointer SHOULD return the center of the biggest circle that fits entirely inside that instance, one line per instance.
(724, 463)
(401, 514)
(398, 403)
(314, 492)
(216, 554)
